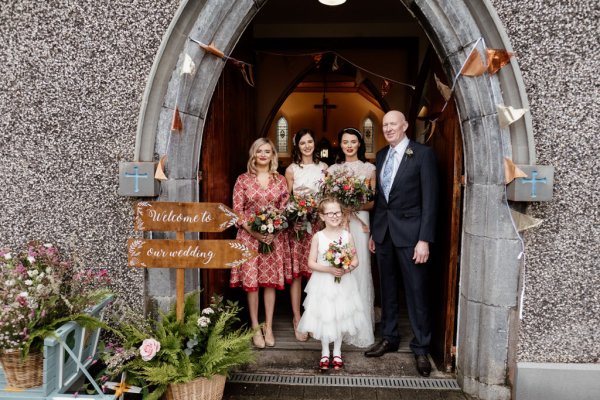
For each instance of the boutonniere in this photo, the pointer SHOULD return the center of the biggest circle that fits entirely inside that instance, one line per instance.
(409, 152)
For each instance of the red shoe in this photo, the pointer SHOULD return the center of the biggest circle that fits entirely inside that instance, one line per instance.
(337, 362)
(324, 363)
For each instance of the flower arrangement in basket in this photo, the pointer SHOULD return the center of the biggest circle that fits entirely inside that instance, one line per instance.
(180, 358)
(352, 191)
(301, 211)
(340, 255)
(268, 220)
(41, 291)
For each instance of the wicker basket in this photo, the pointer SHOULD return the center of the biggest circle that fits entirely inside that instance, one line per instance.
(198, 389)
(23, 374)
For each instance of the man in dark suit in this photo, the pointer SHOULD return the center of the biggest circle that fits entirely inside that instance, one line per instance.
(402, 226)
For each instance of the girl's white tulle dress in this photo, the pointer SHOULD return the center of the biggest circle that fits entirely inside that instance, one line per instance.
(333, 310)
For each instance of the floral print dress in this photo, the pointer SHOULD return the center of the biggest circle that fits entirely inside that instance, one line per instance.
(266, 270)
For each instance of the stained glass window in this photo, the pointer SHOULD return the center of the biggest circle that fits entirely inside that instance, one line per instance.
(368, 132)
(282, 135)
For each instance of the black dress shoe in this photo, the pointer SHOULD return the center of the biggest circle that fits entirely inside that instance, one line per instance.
(381, 348)
(423, 365)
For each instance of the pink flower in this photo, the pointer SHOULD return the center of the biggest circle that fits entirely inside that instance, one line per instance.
(149, 348)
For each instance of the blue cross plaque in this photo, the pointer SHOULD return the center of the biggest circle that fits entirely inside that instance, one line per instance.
(136, 179)
(537, 186)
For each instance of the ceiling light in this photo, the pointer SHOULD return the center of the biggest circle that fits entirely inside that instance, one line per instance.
(332, 2)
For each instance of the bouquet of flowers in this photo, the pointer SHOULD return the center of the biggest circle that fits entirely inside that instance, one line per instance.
(40, 291)
(156, 354)
(267, 221)
(340, 255)
(301, 210)
(350, 190)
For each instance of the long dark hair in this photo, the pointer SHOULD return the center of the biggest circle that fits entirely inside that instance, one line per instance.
(340, 156)
(296, 154)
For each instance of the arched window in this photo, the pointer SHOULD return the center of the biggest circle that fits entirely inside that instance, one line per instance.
(368, 132)
(282, 135)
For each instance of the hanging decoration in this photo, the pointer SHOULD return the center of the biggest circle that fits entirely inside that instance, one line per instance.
(511, 171)
(474, 65)
(507, 114)
(160, 169)
(245, 68)
(335, 66)
(359, 78)
(444, 90)
(524, 221)
(385, 87)
(176, 123)
(188, 66)
(317, 57)
(496, 59)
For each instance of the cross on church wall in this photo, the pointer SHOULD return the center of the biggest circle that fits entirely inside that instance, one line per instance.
(325, 106)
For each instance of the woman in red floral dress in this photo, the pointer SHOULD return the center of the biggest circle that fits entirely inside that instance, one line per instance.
(254, 190)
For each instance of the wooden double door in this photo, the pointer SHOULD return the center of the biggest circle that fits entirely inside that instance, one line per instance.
(231, 128)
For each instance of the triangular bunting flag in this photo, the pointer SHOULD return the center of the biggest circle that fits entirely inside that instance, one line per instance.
(160, 169)
(473, 66)
(511, 171)
(524, 221)
(496, 59)
(247, 72)
(317, 58)
(359, 78)
(432, 126)
(385, 87)
(188, 66)
(334, 65)
(176, 123)
(508, 115)
(445, 91)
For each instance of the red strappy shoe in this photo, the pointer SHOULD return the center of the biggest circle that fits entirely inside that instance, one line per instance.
(324, 363)
(337, 362)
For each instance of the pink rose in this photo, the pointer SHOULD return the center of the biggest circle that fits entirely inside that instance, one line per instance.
(149, 348)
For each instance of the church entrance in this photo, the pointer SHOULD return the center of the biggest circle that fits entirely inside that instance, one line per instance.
(327, 83)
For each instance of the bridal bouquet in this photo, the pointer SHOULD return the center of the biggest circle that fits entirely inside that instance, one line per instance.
(350, 190)
(340, 255)
(267, 221)
(301, 210)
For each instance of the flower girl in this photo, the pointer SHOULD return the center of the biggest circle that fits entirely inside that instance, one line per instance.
(332, 311)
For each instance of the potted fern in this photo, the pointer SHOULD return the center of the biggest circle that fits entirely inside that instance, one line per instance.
(187, 359)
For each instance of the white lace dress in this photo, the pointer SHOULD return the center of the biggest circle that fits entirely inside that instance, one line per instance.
(331, 310)
(359, 223)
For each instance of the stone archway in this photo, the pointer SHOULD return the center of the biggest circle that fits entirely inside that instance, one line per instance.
(490, 269)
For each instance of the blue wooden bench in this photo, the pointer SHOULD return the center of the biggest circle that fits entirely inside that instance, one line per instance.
(62, 366)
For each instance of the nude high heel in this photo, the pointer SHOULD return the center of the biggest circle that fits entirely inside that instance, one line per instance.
(269, 338)
(258, 340)
(301, 337)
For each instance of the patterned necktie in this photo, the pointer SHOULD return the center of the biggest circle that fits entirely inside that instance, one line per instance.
(388, 171)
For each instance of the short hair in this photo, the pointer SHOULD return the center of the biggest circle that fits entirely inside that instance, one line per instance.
(273, 164)
(296, 154)
(361, 154)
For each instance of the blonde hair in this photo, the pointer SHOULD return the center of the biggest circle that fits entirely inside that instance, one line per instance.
(329, 200)
(273, 164)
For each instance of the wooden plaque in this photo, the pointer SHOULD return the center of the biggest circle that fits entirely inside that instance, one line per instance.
(183, 217)
(162, 253)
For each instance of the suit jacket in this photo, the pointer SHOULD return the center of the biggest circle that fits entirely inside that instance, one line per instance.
(411, 211)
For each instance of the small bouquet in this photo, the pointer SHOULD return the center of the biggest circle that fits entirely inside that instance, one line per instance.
(340, 255)
(267, 221)
(350, 190)
(301, 209)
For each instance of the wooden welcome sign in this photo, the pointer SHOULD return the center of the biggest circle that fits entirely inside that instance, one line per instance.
(181, 253)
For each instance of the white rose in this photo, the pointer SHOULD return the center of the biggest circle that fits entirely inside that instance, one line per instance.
(10, 282)
(149, 348)
(31, 259)
(8, 256)
(29, 282)
(32, 273)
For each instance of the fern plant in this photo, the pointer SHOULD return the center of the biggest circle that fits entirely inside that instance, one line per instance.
(202, 344)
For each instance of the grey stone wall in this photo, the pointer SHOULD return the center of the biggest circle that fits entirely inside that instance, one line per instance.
(72, 74)
(556, 44)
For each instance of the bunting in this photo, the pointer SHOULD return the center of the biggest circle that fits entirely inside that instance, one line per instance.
(176, 123)
(511, 171)
(496, 59)
(524, 221)
(188, 66)
(444, 90)
(160, 169)
(507, 114)
(385, 87)
(473, 66)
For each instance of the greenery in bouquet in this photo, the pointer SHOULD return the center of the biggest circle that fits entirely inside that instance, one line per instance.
(41, 290)
(340, 255)
(301, 211)
(155, 354)
(352, 191)
(268, 220)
